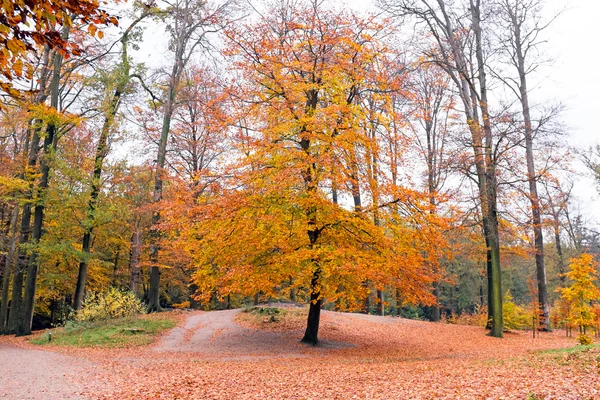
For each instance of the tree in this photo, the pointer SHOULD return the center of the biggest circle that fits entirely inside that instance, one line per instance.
(582, 272)
(302, 88)
(519, 39)
(457, 46)
(188, 23)
(117, 84)
(433, 103)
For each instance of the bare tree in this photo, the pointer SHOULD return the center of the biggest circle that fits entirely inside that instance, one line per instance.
(458, 48)
(519, 39)
(188, 24)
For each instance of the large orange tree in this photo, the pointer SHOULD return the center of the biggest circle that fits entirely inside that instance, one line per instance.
(314, 97)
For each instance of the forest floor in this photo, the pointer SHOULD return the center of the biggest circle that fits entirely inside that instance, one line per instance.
(226, 355)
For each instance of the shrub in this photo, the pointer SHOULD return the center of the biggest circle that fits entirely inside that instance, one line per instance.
(584, 340)
(514, 316)
(478, 318)
(113, 303)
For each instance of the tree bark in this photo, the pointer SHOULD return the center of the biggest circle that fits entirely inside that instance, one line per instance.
(531, 177)
(311, 334)
(26, 317)
(154, 291)
(491, 186)
(380, 300)
(134, 260)
(9, 266)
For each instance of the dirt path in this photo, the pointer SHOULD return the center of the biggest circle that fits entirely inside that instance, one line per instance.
(38, 374)
(215, 334)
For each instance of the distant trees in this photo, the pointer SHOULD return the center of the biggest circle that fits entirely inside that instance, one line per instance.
(187, 22)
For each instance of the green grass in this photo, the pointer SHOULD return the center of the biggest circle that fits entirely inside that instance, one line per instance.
(124, 332)
(569, 350)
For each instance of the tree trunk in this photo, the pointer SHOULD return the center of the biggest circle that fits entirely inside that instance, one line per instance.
(380, 300)
(10, 261)
(134, 261)
(101, 153)
(435, 309)
(26, 317)
(178, 66)
(116, 268)
(559, 252)
(531, 177)
(490, 194)
(292, 290)
(314, 312)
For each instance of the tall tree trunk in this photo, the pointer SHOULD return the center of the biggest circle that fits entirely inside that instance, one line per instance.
(313, 232)
(101, 153)
(31, 149)
(558, 243)
(10, 261)
(531, 177)
(26, 317)
(491, 186)
(154, 291)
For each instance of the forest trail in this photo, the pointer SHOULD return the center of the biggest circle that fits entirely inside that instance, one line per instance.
(40, 374)
(216, 335)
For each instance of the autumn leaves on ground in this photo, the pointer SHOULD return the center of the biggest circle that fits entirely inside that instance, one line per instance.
(233, 354)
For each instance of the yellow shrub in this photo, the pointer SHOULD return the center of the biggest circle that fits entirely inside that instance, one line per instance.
(584, 340)
(514, 316)
(113, 303)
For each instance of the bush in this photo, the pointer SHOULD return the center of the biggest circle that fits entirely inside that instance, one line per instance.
(514, 316)
(478, 318)
(113, 303)
(584, 340)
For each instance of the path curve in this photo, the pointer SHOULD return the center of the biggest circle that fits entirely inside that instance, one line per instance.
(215, 333)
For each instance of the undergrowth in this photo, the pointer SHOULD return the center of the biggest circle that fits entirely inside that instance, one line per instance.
(114, 333)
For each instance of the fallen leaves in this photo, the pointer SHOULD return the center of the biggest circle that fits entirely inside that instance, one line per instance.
(386, 358)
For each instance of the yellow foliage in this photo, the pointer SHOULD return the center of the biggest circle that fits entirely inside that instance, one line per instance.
(113, 303)
(184, 304)
(514, 316)
(582, 291)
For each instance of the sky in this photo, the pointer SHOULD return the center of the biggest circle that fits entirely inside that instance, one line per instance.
(574, 80)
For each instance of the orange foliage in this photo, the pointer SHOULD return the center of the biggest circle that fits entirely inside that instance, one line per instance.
(308, 128)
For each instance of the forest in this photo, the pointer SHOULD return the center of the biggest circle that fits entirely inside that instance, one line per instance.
(392, 158)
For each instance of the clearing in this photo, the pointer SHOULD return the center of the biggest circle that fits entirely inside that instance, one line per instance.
(229, 355)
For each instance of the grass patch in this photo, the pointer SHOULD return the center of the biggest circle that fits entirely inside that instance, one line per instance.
(570, 350)
(273, 318)
(116, 333)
